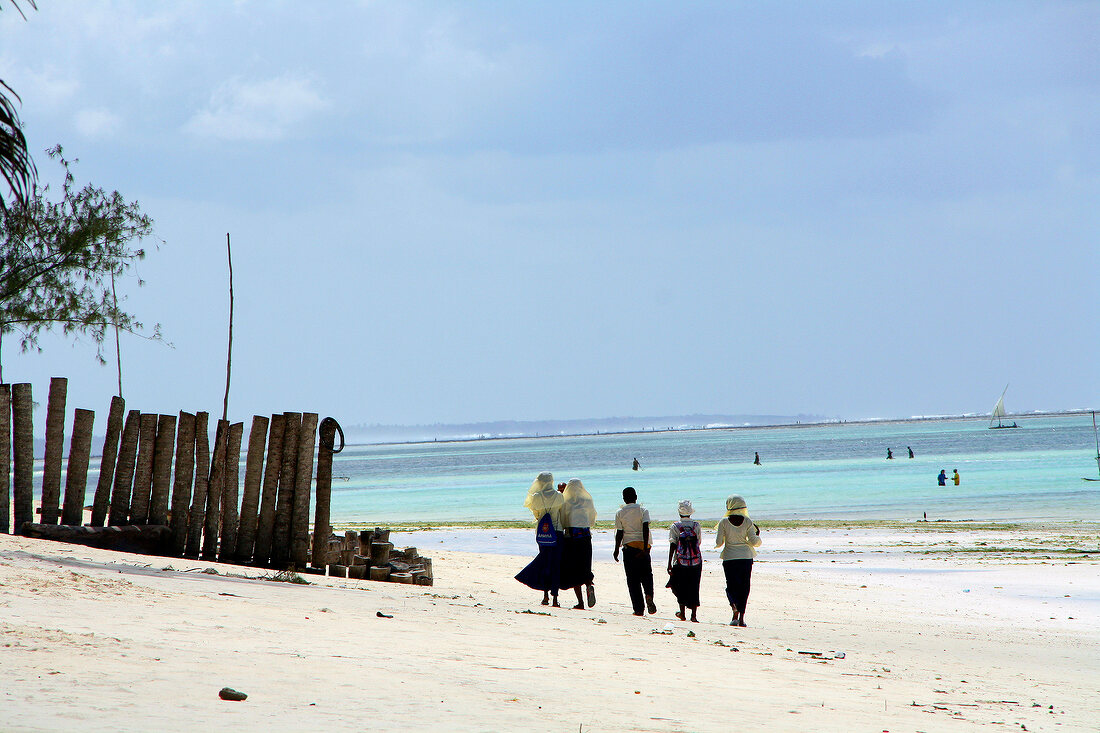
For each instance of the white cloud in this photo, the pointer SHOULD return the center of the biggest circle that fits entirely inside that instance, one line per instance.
(257, 111)
(96, 122)
(49, 87)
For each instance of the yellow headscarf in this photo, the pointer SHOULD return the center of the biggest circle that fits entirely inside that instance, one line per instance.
(580, 510)
(736, 505)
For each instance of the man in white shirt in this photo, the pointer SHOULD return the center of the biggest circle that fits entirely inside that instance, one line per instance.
(632, 534)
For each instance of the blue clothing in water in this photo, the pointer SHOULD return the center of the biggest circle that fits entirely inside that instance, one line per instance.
(942, 478)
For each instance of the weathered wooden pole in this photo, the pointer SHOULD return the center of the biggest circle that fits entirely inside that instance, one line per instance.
(143, 471)
(212, 528)
(265, 524)
(55, 445)
(124, 472)
(5, 458)
(197, 517)
(326, 448)
(181, 487)
(76, 477)
(162, 469)
(22, 428)
(227, 550)
(250, 501)
(280, 541)
(299, 537)
(102, 500)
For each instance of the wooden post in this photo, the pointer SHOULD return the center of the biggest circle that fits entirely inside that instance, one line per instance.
(5, 458)
(212, 528)
(380, 553)
(250, 502)
(299, 548)
(107, 460)
(265, 524)
(55, 444)
(321, 527)
(162, 469)
(22, 428)
(124, 473)
(181, 488)
(280, 541)
(197, 518)
(143, 471)
(76, 477)
(227, 550)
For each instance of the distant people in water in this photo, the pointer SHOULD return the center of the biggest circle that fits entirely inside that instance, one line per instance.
(942, 478)
(632, 534)
(636, 465)
(544, 572)
(737, 536)
(685, 561)
(889, 454)
(955, 478)
(910, 451)
(756, 461)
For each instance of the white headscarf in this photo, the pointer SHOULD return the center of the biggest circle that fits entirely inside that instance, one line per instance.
(580, 510)
(736, 505)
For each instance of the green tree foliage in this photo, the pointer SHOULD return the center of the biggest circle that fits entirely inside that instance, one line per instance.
(16, 165)
(58, 260)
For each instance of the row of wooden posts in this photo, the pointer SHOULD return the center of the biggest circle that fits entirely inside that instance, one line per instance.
(207, 515)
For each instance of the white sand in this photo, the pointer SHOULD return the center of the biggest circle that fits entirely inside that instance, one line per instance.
(934, 637)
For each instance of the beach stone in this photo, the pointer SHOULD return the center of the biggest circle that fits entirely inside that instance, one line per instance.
(360, 560)
(424, 580)
(406, 578)
(228, 693)
(398, 566)
(338, 571)
(357, 571)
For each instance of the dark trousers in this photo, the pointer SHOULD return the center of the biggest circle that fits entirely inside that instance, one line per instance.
(639, 576)
(738, 577)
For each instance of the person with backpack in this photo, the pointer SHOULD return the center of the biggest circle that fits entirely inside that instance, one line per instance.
(544, 572)
(738, 536)
(685, 561)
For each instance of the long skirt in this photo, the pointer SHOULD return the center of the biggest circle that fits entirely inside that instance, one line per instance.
(738, 573)
(544, 572)
(684, 583)
(576, 558)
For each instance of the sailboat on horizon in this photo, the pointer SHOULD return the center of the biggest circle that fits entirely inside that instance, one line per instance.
(1097, 441)
(999, 414)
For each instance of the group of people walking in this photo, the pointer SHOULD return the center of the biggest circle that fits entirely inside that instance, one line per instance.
(565, 516)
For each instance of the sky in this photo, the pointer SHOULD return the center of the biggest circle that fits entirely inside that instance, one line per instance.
(455, 212)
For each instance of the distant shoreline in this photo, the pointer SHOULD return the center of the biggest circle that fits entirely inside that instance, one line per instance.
(921, 525)
(771, 426)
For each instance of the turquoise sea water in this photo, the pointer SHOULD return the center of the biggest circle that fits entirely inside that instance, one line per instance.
(836, 471)
(809, 472)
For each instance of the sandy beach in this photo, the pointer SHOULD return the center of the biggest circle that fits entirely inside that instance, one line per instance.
(883, 628)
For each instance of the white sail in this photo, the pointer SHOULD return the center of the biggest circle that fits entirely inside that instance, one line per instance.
(999, 409)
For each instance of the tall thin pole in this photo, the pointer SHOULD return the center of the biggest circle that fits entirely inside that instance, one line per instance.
(114, 318)
(229, 357)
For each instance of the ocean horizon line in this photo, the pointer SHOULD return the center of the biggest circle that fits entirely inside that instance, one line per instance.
(814, 421)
